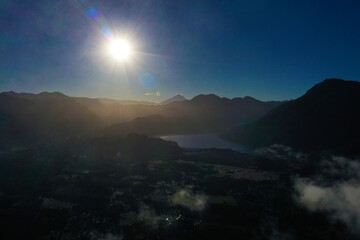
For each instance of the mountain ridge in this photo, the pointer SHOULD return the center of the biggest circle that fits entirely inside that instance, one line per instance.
(210, 106)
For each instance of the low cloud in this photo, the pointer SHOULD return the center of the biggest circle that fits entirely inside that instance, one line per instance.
(157, 94)
(281, 152)
(336, 191)
(110, 236)
(190, 200)
(148, 215)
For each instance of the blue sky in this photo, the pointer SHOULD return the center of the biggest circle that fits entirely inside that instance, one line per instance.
(271, 50)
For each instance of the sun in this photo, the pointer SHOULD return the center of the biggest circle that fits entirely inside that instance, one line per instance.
(120, 49)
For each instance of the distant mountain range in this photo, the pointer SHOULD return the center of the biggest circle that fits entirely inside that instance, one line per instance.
(326, 117)
(207, 107)
(203, 113)
(31, 117)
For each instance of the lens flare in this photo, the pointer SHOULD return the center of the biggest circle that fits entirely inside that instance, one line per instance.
(92, 13)
(106, 33)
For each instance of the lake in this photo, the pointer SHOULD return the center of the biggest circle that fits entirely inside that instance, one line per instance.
(205, 141)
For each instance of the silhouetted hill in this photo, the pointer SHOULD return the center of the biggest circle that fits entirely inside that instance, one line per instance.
(44, 117)
(224, 111)
(158, 124)
(114, 111)
(134, 148)
(326, 117)
(176, 98)
(209, 98)
(203, 113)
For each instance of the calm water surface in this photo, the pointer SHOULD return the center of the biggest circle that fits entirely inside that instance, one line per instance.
(205, 141)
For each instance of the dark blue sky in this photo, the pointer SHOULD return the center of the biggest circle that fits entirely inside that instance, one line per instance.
(266, 49)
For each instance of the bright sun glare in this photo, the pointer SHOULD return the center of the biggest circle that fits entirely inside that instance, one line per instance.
(120, 49)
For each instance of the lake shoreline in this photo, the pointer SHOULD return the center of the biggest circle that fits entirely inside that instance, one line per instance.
(205, 141)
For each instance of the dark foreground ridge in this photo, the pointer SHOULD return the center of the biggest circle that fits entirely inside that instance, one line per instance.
(326, 117)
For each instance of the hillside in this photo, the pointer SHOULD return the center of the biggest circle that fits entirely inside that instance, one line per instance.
(203, 113)
(326, 117)
(46, 117)
(157, 124)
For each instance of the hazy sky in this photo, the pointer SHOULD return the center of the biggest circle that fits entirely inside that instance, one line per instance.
(266, 49)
